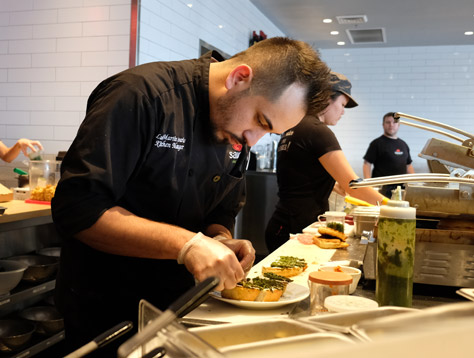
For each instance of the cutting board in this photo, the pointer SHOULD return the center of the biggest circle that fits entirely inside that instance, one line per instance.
(19, 210)
(5, 194)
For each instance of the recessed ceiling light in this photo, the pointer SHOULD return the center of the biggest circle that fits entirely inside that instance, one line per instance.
(327, 21)
(334, 32)
(220, 26)
(341, 43)
(189, 5)
(469, 33)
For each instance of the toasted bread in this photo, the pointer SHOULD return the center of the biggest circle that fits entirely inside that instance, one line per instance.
(256, 289)
(326, 243)
(331, 233)
(286, 266)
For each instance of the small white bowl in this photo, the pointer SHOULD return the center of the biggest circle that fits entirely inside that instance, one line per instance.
(354, 272)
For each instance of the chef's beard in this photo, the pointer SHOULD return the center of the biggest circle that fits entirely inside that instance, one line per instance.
(225, 106)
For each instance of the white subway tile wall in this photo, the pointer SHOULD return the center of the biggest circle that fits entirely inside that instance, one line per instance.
(52, 55)
(434, 82)
(54, 52)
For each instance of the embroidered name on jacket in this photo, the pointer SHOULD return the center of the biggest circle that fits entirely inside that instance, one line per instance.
(398, 152)
(168, 141)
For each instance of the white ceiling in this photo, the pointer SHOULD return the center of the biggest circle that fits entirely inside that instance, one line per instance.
(406, 22)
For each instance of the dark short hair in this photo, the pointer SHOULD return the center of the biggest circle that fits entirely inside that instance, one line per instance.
(279, 62)
(388, 114)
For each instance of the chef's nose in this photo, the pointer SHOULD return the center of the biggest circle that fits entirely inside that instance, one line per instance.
(252, 136)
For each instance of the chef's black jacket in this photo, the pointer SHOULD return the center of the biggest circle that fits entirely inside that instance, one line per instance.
(146, 145)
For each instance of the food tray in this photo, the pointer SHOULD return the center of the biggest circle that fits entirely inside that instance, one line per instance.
(278, 337)
(414, 321)
(342, 322)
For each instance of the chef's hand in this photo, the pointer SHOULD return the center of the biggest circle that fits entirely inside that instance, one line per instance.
(243, 249)
(205, 257)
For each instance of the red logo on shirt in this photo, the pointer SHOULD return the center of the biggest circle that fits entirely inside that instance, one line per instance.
(237, 147)
(398, 152)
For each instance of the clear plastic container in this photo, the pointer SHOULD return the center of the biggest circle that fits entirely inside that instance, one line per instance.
(43, 178)
(365, 218)
(324, 284)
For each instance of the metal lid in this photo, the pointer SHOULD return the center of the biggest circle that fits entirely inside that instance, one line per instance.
(330, 278)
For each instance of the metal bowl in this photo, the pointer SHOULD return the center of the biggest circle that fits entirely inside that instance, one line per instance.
(11, 273)
(50, 251)
(48, 320)
(40, 268)
(15, 334)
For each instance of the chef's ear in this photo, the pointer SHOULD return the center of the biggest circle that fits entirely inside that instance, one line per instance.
(240, 77)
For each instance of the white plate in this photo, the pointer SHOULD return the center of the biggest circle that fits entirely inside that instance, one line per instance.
(294, 293)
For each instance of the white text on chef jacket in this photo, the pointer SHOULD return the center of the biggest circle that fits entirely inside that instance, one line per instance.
(168, 141)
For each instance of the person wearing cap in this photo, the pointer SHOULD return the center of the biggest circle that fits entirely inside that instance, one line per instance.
(388, 155)
(309, 164)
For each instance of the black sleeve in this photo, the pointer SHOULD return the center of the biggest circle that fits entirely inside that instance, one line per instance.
(409, 160)
(109, 146)
(371, 154)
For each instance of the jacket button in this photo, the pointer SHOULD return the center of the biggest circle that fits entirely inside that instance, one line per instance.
(190, 172)
(216, 178)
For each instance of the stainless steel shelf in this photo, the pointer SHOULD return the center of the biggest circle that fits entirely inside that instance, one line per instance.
(22, 293)
(36, 347)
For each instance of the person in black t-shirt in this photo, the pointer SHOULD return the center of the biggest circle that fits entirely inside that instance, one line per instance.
(309, 163)
(388, 154)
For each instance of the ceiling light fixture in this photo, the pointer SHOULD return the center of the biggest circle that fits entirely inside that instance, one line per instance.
(341, 43)
(469, 33)
(334, 32)
(189, 5)
(327, 21)
(220, 26)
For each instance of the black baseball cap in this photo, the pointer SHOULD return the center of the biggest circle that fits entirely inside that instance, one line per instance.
(340, 83)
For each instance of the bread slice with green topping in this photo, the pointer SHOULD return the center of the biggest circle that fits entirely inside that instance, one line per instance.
(286, 266)
(256, 289)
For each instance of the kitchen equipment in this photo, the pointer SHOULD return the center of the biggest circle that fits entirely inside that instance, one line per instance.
(48, 320)
(158, 331)
(426, 319)
(342, 322)
(40, 268)
(231, 334)
(49, 251)
(43, 178)
(365, 218)
(355, 273)
(395, 254)
(275, 337)
(23, 179)
(334, 218)
(15, 334)
(324, 284)
(11, 273)
(102, 339)
(346, 303)
(444, 209)
(351, 200)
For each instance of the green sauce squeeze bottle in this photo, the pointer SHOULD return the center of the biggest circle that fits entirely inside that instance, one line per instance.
(395, 254)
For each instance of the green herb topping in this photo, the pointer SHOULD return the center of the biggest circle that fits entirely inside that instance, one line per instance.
(274, 276)
(262, 283)
(336, 226)
(288, 262)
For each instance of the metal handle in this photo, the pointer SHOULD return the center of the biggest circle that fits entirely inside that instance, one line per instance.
(409, 178)
(397, 115)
